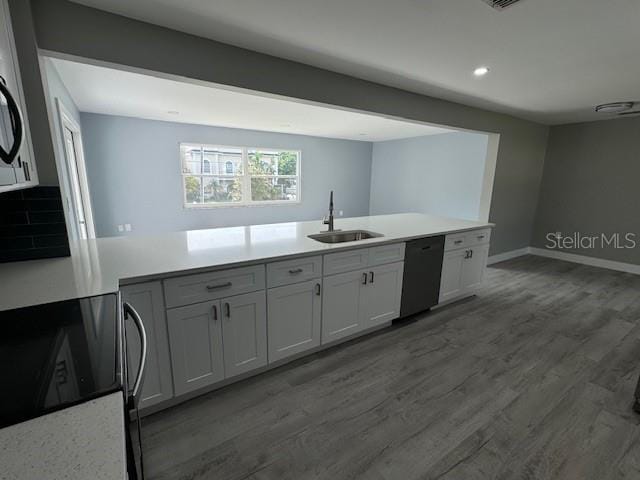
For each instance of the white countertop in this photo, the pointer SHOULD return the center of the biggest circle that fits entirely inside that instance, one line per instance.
(99, 266)
(80, 442)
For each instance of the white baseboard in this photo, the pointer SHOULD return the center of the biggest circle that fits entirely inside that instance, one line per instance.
(592, 261)
(567, 257)
(501, 257)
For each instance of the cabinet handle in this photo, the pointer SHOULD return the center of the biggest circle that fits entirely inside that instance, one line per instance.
(318, 289)
(428, 247)
(457, 242)
(295, 271)
(470, 253)
(129, 311)
(215, 313)
(370, 277)
(217, 287)
(364, 278)
(480, 237)
(227, 309)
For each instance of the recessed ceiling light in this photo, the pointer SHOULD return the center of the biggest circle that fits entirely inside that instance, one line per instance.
(173, 112)
(615, 107)
(481, 71)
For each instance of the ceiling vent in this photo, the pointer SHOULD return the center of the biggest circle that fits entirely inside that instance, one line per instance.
(501, 4)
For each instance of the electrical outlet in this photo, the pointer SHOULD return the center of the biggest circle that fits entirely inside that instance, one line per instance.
(340, 213)
(127, 227)
(121, 228)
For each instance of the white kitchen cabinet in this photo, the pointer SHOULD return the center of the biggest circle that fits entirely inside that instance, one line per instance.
(294, 318)
(474, 268)
(147, 299)
(22, 172)
(195, 338)
(341, 305)
(359, 300)
(380, 297)
(462, 272)
(244, 332)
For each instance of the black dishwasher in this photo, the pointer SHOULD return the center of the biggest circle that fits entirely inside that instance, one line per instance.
(422, 269)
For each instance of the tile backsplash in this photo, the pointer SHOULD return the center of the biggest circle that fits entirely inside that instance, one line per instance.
(32, 225)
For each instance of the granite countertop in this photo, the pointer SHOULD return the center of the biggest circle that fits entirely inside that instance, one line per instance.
(80, 442)
(99, 266)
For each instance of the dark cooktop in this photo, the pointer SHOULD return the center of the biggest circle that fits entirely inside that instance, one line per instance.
(58, 354)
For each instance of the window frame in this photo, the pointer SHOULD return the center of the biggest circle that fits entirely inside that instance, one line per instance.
(245, 178)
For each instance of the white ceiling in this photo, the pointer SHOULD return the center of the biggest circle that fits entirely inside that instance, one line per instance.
(116, 92)
(550, 60)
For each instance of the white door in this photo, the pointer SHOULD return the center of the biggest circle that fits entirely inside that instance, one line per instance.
(451, 280)
(148, 301)
(380, 299)
(474, 267)
(76, 176)
(341, 305)
(195, 340)
(293, 318)
(244, 332)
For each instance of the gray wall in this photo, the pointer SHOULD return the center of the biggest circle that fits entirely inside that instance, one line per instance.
(134, 175)
(72, 29)
(437, 174)
(590, 184)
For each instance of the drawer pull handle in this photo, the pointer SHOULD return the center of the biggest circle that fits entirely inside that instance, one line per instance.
(458, 242)
(211, 288)
(364, 278)
(318, 289)
(370, 277)
(480, 237)
(295, 271)
(428, 247)
(227, 309)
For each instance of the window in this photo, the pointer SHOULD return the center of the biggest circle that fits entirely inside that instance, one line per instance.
(226, 176)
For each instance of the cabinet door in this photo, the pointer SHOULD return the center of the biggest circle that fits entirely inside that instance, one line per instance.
(294, 318)
(341, 305)
(451, 280)
(148, 301)
(244, 332)
(195, 338)
(473, 268)
(380, 298)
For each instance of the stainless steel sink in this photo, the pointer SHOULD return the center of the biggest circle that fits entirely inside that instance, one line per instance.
(346, 236)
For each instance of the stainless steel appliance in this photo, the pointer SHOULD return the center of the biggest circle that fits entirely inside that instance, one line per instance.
(60, 354)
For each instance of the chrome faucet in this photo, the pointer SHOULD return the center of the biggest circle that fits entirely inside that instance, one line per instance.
(329, 220)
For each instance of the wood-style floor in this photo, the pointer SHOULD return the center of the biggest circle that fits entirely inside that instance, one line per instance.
(532, 379)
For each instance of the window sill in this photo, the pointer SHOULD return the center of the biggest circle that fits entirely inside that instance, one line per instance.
(190, 206)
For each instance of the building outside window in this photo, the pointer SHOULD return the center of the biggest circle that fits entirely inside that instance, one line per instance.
(214, 176)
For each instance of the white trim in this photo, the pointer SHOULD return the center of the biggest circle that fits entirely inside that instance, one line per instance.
(502, 257)
(67, 120)
(567, 257)
(592, 261)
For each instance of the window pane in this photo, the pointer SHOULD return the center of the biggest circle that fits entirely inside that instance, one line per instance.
(273, 162)
(274, 188)
(224, 160)
(192, 189)
(191, 159)
(221, 190)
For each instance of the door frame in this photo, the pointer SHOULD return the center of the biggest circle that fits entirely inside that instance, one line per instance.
(68, 121)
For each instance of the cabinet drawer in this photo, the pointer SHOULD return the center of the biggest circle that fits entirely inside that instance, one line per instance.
(345, 261)
(386, 254)
(293, 271)
(213, 285)
(478, 237)
(455, 241)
